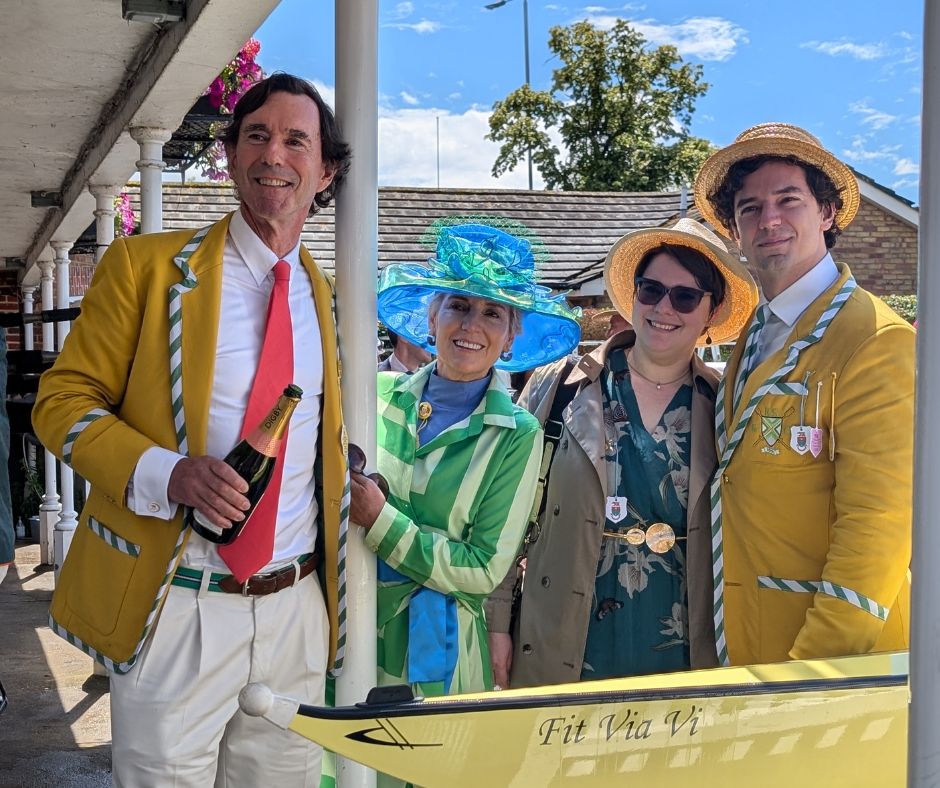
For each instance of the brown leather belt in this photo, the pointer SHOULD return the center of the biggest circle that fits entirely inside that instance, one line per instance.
(272, 582)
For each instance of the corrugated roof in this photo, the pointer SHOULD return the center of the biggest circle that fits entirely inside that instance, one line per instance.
(577, 228)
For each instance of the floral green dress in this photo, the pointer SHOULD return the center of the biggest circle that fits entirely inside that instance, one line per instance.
(639, 617)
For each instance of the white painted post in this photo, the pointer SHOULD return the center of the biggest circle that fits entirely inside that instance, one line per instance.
(28, 291)
(50, 507)
(923, 754)
(104, 195)
(68, 518)
(150, 165)
(356, 269)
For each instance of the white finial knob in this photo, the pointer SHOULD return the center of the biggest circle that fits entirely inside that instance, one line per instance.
(256, 700)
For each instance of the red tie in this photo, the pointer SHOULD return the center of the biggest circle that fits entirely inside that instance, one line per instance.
(255, 544)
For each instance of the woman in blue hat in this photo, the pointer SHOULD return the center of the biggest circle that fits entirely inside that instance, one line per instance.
(461, 460)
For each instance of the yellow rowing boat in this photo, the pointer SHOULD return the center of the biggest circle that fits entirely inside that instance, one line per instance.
(816, 722)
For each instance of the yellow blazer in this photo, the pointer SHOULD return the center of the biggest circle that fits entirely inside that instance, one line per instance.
(107, 400)
(843, 517)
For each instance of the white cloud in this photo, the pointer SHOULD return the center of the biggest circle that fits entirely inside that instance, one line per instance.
(905, 183)
(403, 10)
(858, 51)
(422, 27)
(859, 153)
(707, 38)
(453, 96)
(906, 167)
(408, 150)
(410, 100)
(873, 118)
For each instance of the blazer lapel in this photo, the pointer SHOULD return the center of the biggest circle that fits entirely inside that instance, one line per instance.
(200, 315)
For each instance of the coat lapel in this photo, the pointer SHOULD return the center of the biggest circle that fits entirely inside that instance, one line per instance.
(702, 460)
(200, 327)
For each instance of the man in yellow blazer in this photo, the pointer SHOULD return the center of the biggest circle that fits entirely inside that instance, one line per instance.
(811, 507)
(149, 391)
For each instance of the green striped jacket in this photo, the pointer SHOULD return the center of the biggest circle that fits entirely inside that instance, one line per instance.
(455, 517)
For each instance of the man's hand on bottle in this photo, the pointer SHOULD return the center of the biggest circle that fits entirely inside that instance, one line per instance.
(211, 486)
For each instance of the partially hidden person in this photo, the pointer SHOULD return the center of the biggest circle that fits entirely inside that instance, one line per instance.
(618, 577)
(405, 356)
(184, 343)
(811, 527)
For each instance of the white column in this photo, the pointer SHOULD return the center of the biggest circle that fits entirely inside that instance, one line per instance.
(68, 518)
(356, 256)
(104, 216)
(923, 753)
(150, 165)
(50, 507)
(28, 291)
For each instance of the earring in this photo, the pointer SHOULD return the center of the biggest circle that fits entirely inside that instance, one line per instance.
(432, 340)
(708, 336)
(506, 355)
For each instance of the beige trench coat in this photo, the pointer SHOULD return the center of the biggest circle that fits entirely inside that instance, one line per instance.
(551, 629)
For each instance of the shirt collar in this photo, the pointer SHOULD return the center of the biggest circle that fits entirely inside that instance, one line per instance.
(395, 365)
(794, 301)
(257, 256)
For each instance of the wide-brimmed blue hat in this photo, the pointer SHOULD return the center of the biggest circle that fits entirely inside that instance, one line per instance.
(484, 262)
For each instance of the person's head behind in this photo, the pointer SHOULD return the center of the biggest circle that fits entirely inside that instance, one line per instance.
(470, 333)
(617, 324)
(284, 148)
(407, 352)
(664, 332)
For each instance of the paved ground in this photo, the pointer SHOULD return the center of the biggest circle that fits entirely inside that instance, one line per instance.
(56, 730)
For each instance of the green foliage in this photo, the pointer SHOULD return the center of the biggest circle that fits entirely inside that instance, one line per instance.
(904, 305)
(620, 107)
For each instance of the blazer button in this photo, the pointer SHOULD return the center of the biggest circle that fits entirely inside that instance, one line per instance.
(526, 648)
(557, 509)
(546, 581)
(154, 507)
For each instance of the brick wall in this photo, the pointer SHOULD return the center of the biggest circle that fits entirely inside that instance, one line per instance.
(10, 302)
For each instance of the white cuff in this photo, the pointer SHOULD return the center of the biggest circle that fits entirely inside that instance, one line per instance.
(147, 489)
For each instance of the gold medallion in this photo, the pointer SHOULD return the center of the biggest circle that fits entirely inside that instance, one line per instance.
(660, 538)
(424, 411)
(636, 536)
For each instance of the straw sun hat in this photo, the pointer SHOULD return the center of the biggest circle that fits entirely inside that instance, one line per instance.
(775, 139)
(740, 294)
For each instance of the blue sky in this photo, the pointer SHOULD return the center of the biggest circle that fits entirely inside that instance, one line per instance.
(849, 71)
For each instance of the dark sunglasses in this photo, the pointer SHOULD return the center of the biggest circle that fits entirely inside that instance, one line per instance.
(357, 464)
(683, 299)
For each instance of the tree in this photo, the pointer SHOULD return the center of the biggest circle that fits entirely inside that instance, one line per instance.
(621, 108)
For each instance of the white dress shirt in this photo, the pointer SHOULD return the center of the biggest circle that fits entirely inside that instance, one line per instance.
(247, 281)
(787, 307)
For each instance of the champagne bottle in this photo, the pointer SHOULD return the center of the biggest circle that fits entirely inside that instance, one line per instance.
(253, 459)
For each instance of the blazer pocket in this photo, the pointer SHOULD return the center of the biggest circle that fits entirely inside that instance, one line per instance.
(102, 577)
(785, 603)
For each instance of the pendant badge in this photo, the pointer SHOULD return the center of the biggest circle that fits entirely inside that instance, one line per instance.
(616, 508)
(800, 438)
(816, 441)
(660, 538)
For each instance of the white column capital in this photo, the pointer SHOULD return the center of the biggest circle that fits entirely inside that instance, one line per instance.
(28, 291)
(46, 267)
(104, 190)
(61, 249)
(145, 134)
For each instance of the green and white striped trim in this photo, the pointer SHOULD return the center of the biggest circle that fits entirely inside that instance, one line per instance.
(727, 451)
(860, 601)
(117, 542)
(788, 387)
(93, 415)
(175, 299)
(337, 667)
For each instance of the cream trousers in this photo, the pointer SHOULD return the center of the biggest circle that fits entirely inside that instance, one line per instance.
(175, 721)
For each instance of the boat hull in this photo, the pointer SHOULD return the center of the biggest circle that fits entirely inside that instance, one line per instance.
(819, 722)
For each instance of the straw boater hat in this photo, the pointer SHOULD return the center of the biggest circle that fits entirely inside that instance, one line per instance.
(485, 262)
(775, 139)
(740, 293)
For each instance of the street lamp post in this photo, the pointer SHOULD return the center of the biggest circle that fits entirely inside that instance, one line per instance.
(525, 32)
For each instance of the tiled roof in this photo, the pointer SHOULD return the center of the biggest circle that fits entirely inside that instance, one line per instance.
(577, 227)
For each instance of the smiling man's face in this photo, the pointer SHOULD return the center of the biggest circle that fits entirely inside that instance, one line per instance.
(779, 224)
(277, 165)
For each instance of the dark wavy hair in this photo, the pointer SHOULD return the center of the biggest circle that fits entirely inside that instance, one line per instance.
(820, 184)
(334, 150)
(706, 273)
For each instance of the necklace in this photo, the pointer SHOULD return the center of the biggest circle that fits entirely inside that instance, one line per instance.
(659, 384)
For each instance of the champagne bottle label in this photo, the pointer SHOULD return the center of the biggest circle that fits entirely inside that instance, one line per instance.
(266, 437)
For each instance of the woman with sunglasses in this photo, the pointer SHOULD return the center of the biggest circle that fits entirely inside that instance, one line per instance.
(619, 575)
(460, 459)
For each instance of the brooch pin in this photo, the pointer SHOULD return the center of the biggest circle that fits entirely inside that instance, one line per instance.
(424, 413)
